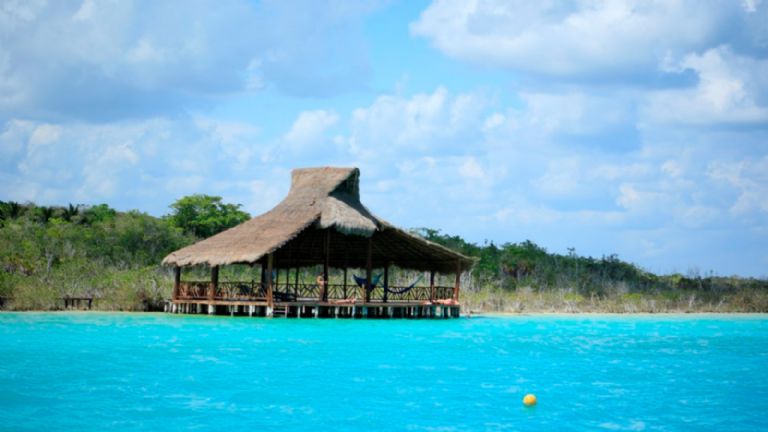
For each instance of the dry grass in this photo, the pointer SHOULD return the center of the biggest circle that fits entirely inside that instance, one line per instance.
(566, 301)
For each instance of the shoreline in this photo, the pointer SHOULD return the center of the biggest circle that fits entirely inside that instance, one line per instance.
(464, 315)
(614, 314)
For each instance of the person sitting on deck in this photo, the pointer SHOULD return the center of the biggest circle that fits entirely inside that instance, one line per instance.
(446, 302)
(320, 279)
(345, 301)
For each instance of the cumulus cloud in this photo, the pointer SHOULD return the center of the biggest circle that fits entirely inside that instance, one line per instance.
(309, 128)
(749, 179)
(96, 60)
(143, 164)
(617, 40)
(424, 122)
(730, 89)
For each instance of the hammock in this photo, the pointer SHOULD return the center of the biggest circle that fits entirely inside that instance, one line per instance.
(406, 289)
(360, 281)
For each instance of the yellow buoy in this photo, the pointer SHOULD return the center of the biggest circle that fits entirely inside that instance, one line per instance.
(529, 400)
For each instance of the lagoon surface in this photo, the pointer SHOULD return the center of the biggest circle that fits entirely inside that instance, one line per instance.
(100, 371)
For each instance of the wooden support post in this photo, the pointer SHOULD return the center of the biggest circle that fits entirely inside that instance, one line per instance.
(296, 284)
(270, 299)
(345, 281)
(176, 282)
(457, 283)
(368, 271)
(431, 285)
(326, 263)
(386, 282)
(214, 283)
(263, 276)
(346, 265)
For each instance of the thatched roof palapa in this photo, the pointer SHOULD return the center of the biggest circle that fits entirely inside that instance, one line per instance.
(321, 202)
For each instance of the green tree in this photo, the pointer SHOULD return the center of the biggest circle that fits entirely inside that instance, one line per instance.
(70, 212)
(44, 213)
(10, 210)
(98, 213)
(205, 215)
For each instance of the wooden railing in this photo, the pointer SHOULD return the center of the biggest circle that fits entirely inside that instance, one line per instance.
(241, 291)
(282, 292)
(194, 290)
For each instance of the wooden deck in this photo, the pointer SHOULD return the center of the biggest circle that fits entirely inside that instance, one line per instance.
(313, 301)
(316, 309)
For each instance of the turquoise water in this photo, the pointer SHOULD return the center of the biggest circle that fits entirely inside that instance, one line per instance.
(93, 371)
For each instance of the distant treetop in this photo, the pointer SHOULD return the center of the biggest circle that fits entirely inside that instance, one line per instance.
(205, 215)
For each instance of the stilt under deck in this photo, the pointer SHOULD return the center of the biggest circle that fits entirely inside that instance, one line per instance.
(309, 309)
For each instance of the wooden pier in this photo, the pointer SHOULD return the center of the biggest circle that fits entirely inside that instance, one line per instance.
(317, 310)
(302, 300)
(321, 225)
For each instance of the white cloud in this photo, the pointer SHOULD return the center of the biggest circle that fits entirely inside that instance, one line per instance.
(145, 52)
(609, 39)
(237, 141)
(750, 180)
(12, 139)
(563, 177)
(471, 169)
(672, 168)
(397, 125)
(143, 164)
(160, 58)
(576, 112)
(44, 134)
(730, 89)
(309, 129)
(750, 5)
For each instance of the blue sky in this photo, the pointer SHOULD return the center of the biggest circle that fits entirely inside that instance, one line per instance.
(635, 128)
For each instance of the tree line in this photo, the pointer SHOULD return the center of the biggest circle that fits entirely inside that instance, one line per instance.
(526, 266)
(47, 252)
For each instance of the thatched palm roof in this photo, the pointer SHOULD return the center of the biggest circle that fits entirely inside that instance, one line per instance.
(322, 202)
